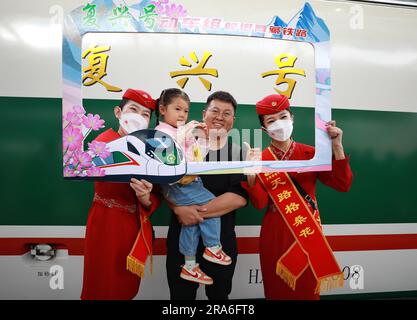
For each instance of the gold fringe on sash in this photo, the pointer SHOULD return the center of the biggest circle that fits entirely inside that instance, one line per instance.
(286, 275)
(135, 266)
(329, 283)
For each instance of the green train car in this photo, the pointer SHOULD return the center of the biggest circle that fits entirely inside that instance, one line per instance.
(373, 94)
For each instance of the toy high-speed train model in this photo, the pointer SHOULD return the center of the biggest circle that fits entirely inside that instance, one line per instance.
(148, 154)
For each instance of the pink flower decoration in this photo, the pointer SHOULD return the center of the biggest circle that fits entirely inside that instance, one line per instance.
(95, 172)
(72, 138)
(67, 158)
(79, 109)
(99, 148)
(82, 174)
(82, 159)
(73, 118)
(175, 11)
(69, 172)
(93, 122)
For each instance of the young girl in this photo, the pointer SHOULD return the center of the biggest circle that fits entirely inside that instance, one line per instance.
(173, 105)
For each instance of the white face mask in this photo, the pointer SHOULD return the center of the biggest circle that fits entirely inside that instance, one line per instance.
(280, 130)
(131, 122)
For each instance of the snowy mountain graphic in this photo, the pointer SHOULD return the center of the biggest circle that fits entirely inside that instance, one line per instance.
(278, 22)
(306, 19)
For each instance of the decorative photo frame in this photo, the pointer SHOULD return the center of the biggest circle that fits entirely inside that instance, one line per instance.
(112, 16)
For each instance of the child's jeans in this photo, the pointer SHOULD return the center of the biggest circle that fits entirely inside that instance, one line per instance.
(194, 193)
(186, 195)
(209, 230)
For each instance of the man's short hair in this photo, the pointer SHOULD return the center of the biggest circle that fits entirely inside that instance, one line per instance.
(222, 96)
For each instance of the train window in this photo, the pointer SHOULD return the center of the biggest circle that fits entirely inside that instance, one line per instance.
(132, 148)
(164, 151)
(98, 161)
(159, 143)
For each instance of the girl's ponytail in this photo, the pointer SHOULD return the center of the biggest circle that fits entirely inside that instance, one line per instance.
(157, 110)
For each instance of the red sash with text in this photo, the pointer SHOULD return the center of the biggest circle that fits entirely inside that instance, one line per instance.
(310, 247)
(142, 249)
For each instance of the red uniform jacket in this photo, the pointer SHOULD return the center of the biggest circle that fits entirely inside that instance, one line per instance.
(275, 238)
(112, 226)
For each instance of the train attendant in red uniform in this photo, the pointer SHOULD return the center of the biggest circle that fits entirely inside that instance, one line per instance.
(118, 236)
(296, 259)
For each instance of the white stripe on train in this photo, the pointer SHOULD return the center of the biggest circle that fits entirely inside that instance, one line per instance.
(14, 231)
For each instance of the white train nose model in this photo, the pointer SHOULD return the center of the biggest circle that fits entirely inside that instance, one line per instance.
(144, 154)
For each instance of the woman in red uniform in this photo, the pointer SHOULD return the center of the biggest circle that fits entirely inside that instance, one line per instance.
(118, 233)
(296, 260)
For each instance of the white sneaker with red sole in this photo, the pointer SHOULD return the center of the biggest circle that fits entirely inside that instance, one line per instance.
(218, 257)
(195, 275)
